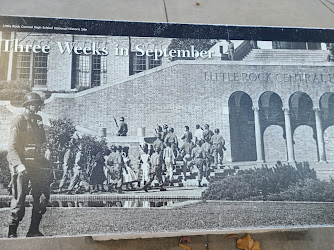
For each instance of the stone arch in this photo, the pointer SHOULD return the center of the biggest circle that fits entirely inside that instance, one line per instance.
(301, 110)
(269, 91)
(326, 104)
(271, 106)
(242, 131)
(329, 143)
(303, 127)
(287, 97)
(272, 126)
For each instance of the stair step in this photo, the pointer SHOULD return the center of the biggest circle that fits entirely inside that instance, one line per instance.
(287, 55)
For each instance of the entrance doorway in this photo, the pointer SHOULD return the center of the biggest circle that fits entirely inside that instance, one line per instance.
(242, 128)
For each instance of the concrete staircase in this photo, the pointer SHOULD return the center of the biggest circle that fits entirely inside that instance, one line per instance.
(325, 171)
(287, 55)
(216, 172)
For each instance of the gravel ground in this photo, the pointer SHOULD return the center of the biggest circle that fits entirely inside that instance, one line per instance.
(200, 216)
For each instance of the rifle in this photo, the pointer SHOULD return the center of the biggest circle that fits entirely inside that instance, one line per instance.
(115, 121)
(156, 131)
(142, 148)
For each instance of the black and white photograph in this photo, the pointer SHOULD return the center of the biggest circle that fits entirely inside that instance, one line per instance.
(131, 129)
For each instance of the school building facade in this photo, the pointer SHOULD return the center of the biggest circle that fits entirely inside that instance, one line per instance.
(271, 103)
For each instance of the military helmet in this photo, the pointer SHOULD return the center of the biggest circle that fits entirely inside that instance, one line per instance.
(32, 97)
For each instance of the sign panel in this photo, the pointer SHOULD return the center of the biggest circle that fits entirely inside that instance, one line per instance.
(123, 127)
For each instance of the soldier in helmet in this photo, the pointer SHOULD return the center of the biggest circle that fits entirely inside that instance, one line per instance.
(218, 144)
(207, 133)
(230, 50)
(185, 151)
(123, 128)
(172, 140)
(158, 131)
(27, 162)
(198, 156)
(164, 131)
(187, 134)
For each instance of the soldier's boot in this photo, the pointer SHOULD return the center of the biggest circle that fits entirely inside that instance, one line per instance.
(145, 188)
(34, 227)
(120, 191)
(12, 230)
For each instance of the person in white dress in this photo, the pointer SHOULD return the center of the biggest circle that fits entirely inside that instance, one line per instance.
(129, 175)
(169, 159)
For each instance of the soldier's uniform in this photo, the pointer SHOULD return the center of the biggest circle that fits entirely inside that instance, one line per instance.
(158, 145)
(123, 128)
(207, 134)
(207, 151)
(158, 132)
(231, 50)
(172, 139)
(218, 143)
(164, 132)
(156, 162)
(187, 135)
(186, 149)
(198, 156)
(27, 137)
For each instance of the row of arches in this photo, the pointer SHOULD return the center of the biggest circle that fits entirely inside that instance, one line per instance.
(270, 131)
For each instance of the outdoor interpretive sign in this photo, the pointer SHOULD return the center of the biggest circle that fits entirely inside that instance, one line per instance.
(112, 127)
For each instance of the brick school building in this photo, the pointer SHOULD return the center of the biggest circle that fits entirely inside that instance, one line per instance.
(274, 102)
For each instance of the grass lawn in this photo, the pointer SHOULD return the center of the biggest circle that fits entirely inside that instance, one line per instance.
(200, 216)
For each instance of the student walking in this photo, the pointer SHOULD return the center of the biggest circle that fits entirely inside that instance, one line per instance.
(145, 165)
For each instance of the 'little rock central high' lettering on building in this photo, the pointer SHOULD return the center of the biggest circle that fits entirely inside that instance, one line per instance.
(274, 101)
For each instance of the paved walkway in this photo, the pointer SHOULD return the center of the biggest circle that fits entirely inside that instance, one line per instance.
(193, 193)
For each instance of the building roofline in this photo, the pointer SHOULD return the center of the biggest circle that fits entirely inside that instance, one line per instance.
(184, 62)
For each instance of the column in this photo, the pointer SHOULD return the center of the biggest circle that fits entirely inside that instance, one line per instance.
(11, 55)
(288, 135)
(258, 135)
(320, 135)
(0, 41)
